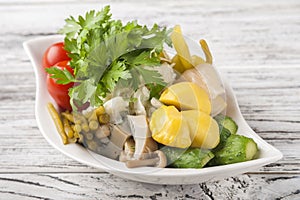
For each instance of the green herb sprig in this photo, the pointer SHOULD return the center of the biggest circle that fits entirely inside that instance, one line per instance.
(104, 52)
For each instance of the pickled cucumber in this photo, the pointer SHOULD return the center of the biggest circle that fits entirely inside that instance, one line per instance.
(237, 148)
(227, 122)
(224, 135)
(187, 158)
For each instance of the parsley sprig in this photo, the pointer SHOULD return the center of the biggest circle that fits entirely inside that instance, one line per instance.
(105, 52)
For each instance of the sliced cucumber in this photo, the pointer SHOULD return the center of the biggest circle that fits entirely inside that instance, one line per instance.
(187, 158)
(251, 150)
(227, 122)
(224, 135)
(237, 148)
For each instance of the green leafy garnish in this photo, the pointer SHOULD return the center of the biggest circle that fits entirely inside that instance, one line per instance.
(105, 53)
(61, 76)
(112, 76)
(155, 90)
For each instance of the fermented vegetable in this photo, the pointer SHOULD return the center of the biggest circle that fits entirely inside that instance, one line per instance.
(206, 51)
(227, 122)
(125, 96)
(224, 135)
(237, 148)
(204, 130)
(182, 49)
(187, 158)
(168, 127)
(186, 96)
(58, 123)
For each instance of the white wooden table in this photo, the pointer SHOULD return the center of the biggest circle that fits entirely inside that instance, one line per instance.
(255, 44)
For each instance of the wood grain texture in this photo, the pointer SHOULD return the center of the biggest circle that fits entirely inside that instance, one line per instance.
(105, 186)
(255, 45)
(239, 34)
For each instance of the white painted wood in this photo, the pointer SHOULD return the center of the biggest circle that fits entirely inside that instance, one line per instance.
(105, 186)
(239, 34)
(255, 44)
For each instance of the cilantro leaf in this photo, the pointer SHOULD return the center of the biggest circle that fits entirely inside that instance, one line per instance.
(61, 76)
(150, 76)
(142, 57)
(155, 89)
(71, 27)
(117, 71)
(82, 93)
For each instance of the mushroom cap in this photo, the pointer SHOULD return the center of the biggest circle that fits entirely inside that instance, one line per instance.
(162, 159)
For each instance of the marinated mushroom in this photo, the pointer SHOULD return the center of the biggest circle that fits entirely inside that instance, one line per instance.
(127, 153)
(124, 157)
(118, 136)
(114, 148)
(142, 136)
(156, 159)
(129, 146)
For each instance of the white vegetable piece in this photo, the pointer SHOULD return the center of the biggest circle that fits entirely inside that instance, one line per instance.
(142, 95)
(205, 76)
(167, 72)
(215, 87)
(156, 103)
(218, 105)
(212, 80)
(114, 107)
(141, 134)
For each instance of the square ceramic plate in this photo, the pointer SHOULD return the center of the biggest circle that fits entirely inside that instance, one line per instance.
(267, 153)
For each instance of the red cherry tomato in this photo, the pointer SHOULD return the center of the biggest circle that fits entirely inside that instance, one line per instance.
(54, 54)
(59, 92)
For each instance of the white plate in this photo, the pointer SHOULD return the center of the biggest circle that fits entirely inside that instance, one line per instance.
(268, 154)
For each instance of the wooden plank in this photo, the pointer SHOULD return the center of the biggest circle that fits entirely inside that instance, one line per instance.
(240, 34)
(105, 186)
(268, 98)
